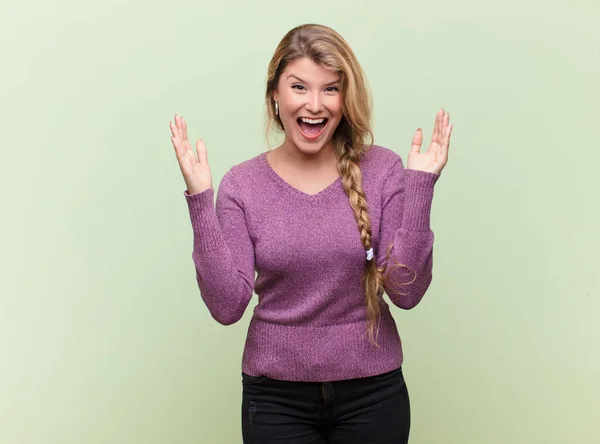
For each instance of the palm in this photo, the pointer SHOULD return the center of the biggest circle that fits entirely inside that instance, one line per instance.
(195, 168)
(435, 158)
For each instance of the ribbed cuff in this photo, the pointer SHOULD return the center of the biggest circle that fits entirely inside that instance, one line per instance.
(207, 231)
(419, 186)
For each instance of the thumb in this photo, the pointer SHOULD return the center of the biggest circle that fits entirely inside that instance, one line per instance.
(202, 152)
(416, 142)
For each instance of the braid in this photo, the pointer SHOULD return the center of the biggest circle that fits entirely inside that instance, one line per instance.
(372, 278)
(352, 182)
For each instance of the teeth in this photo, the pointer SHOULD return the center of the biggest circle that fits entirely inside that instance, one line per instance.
(312, 121)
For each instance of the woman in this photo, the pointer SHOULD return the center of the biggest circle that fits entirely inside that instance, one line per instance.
(329, 222)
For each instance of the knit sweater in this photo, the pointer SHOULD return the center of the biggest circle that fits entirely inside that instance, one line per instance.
(301, 254)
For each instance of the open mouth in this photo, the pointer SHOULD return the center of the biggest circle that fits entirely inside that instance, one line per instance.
(312, 128)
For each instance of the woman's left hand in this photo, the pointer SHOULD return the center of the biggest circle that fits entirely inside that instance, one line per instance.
(436, 157)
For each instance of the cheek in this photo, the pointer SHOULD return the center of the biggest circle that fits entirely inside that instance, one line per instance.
(336, 106)
(288, 111)
(287, 116)
(292, 103)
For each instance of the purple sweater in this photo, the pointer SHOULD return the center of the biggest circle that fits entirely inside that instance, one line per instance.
(310, 321)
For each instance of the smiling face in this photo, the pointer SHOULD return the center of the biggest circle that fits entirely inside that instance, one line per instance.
(310, 105)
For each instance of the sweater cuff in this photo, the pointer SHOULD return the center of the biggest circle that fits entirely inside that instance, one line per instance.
(419, 187)
(207, 231)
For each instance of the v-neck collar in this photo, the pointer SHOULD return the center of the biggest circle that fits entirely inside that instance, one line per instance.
(290, 188)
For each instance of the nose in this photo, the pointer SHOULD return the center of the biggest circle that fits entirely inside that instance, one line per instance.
(314, 103)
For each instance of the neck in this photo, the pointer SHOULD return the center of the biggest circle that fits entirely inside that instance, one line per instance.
(323, 158)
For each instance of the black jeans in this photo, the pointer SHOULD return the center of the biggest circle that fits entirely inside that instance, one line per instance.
(373, 410)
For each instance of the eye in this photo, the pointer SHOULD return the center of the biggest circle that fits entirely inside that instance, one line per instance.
(297, 86)
(332, 88)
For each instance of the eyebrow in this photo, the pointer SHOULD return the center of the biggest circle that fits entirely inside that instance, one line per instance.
(299, 79)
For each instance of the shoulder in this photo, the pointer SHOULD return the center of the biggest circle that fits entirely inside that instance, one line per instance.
(244, 180)
(380, 160)
(244, 173)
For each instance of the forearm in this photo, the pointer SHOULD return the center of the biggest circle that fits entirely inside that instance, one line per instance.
(225, 279)
(409, 268)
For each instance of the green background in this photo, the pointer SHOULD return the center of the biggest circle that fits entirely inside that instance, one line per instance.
(103, 335)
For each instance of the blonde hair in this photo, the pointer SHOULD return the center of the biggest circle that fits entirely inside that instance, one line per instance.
(351, 140)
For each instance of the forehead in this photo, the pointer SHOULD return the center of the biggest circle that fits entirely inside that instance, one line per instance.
(309, 71)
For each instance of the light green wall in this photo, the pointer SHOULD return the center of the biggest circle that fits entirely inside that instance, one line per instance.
(103, 335)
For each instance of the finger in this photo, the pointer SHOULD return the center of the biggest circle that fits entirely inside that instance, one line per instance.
(448, 135)
(183, 158)
(182, 134)
(180, 153)
(433, 133)
(177, 136)
(174, 130)
(184, 126)
(436, 128)
(179, 123)
(176, 124)
(182, 149)
(441, 126)
(185, 144)
(202, 152)
(417, 140)
(445, 126)
(446, 142)
(434, 146)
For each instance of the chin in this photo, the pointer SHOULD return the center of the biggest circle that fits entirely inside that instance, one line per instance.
(311, 147)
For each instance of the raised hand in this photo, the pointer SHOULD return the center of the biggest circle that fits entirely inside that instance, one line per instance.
(195, 169)
(436, 157)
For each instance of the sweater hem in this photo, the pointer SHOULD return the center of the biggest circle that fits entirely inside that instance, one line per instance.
(320, 354)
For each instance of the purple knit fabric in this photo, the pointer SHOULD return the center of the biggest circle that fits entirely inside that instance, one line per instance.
(310, 321)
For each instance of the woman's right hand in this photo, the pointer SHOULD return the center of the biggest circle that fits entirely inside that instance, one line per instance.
(195, 169)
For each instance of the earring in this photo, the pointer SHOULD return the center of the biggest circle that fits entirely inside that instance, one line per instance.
(276, 108)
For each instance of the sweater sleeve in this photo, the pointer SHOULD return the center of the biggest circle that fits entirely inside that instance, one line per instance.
(223, 251)
(405, 223)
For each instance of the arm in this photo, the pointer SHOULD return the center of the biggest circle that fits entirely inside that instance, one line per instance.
(406, 207)
(223, 251)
